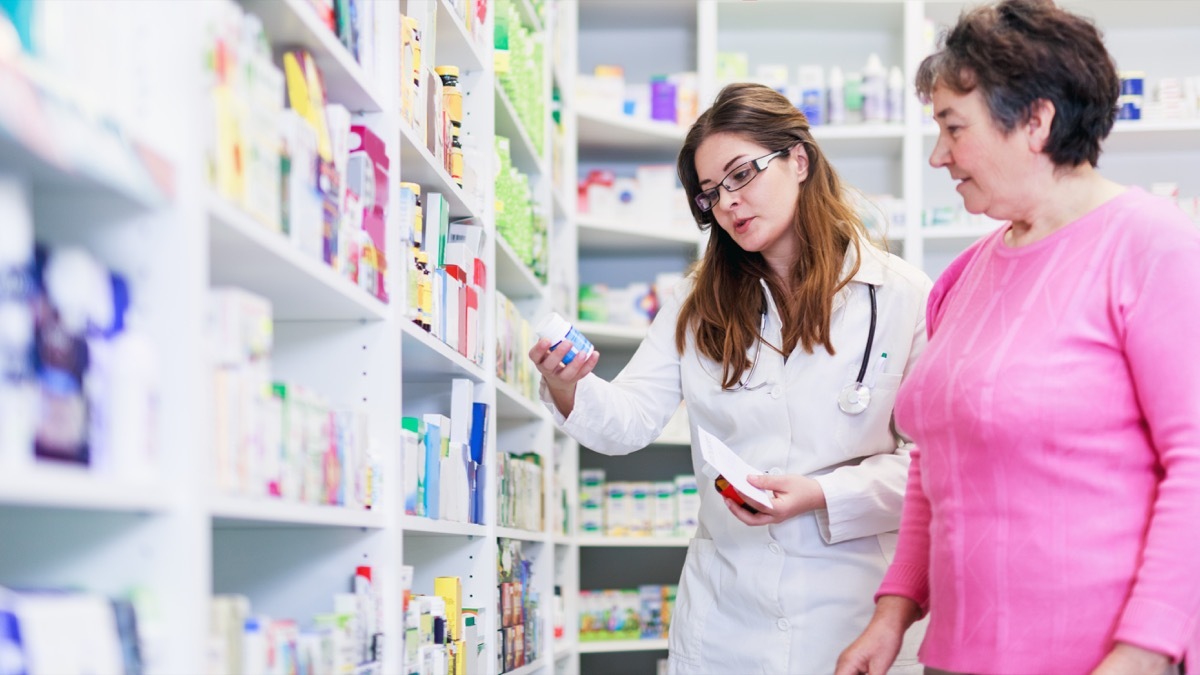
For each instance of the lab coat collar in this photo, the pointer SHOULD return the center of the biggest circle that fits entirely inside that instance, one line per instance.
(871, 271)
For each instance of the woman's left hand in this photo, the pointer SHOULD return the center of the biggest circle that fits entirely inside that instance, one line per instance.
(1126, 659)
(794, 495)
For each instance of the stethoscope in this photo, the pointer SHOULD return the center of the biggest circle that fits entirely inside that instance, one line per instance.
(856, 396)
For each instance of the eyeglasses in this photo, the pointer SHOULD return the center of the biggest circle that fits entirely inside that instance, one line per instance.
(735, 180)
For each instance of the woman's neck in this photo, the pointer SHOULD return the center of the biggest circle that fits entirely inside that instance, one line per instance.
(1070, 195)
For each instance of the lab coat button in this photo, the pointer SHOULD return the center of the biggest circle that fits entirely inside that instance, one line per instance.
(775, 471)
(783, 624)
(776, 391)
(774, 547)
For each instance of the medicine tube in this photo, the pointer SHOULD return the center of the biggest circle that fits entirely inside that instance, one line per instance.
(556, 329)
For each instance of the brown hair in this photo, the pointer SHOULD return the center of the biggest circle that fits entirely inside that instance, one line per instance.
(722, 307)
(1017, 52)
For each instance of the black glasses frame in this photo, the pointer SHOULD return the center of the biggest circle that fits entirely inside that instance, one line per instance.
(707, 199)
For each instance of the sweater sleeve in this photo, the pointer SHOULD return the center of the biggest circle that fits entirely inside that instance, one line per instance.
(1161, 324)
(908, 575)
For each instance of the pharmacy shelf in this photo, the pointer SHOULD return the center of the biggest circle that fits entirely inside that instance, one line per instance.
(565, 648)
(599, 541)
(78, 489)
(528, 15)
(294, 23)
(513, 278)
(245, 253)
(613, 646)
(52, 142)
(619, 132)
(428, 359)
(522, 535)
(229, 511)
(454, 44)
(529, 668)
(561, 203)
(635, 236)
(511, 405)
(966, 233)
(860, 140)
(1154, 136)
(525, 155)
(420, 526)
(418, 165)
(607, 336)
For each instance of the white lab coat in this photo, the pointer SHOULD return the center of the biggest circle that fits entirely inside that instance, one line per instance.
(784, 598)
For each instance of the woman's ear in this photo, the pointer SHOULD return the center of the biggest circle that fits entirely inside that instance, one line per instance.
(800, 160)
(1041, 116)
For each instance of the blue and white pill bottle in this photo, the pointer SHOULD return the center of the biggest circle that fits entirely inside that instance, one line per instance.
(557, 329)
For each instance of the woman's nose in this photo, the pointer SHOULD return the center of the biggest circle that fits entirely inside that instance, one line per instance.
(940, 157)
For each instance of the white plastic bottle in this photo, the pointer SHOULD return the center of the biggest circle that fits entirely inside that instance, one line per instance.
(812, 93)
(837, 96)
(557, 329)
(874, 91)
(895, 95)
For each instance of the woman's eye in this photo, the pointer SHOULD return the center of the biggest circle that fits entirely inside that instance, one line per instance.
(740, 175)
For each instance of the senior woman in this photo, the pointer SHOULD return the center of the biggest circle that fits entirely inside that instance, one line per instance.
(1050, 519)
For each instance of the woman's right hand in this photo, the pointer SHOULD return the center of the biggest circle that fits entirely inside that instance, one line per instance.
(561, 380)
(875, 650)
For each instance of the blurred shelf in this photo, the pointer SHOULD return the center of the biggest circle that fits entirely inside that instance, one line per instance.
(511, 405)
(1154, 136)
(599, 541)
(561, 203)
(294, 23)
(513, 278)
(607, 336)
(619, 132)
(1110, 13)
(860, 140)
(525, 155)
(419, 525)
(531, 667)
(614, 236)
(612, 646)
(230, 511)
(50, 140)
(418, 165)
(455, 46)
(564, 648)
(425, 358)
(522, 535)
(244, 253)
(78, 489)
(528, 15)
(957, 232)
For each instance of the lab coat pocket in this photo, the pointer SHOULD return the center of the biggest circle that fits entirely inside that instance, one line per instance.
(699, 586)
(857, 435)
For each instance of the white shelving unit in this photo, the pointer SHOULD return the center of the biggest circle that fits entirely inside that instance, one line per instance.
(145, 208)
(647, 39)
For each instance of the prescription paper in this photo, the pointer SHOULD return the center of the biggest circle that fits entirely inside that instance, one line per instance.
(732, 467)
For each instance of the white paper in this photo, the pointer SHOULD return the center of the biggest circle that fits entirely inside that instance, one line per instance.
(732, 467)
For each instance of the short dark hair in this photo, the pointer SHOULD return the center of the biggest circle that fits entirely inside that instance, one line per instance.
(1017, 52)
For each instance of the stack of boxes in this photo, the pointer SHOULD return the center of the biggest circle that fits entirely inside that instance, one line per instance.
(637, 509)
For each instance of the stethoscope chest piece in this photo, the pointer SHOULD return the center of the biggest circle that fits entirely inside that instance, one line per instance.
(855, 398)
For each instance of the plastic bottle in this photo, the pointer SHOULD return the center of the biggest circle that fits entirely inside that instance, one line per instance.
(874, 91)
(812, 93)
(837, 96)
(556, 329)
(895, 95)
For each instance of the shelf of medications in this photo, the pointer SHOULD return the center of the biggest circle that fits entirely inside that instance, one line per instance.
(513, 278)
(54, 142)
(428, 359)
(234, 511)
(534, 666)
(512, 405)
(455, 45)
(612, 646)
(419, 525)
(529, 15)
(294, 23)
(79, 489)
(247, 254)
(525, 155)
(635, 235)
(860, 140)
(620, 132)
(418, 165)
(600, 541)
(607, 336)
(522, 535)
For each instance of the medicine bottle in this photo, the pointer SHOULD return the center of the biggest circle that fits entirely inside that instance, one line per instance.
(557, 329)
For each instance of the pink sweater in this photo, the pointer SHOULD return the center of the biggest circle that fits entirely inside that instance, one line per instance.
(1054, 505)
